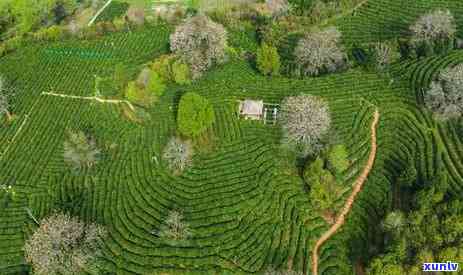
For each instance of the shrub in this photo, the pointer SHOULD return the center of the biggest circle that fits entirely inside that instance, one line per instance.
(394, 222)
(7, 195)
(178, 154)
(338, 158)
(324, 190)
(195, 115)
(132, 91)
(155, 84)
(305, 121)
(80, 151)
(136, 15)
(181, 73)
(52, 33)
(319, 53)
(174, 228)
(163, 66)
(445, 96)
(268, 60)
(64, 245)
(200, 43)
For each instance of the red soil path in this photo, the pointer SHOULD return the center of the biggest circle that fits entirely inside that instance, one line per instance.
(350, 201)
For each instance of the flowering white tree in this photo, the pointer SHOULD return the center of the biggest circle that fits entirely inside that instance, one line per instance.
(305, 121)
(320, 52)
(445, 96)
(80, 150)
(178, 154)
(436, 25)
(200, 43)
(64, 245)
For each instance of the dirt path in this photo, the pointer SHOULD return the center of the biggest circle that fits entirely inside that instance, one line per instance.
(99, 12)
(350, 201)
(112, 101)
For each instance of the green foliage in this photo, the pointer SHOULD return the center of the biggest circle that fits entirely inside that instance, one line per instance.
(163, 66)
(408, 177)
(7, 195)
(195, 115)
(132, 91)
(120, 76)
(268, 60)
(324, 190)
(338, 158)
(52, 33)
(181, 73)
(155, 84)
(171, 69)
(431, 229)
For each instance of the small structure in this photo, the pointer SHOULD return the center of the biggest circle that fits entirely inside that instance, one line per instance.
(251, 109)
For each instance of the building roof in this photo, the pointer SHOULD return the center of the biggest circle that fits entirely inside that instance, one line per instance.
(252, 107)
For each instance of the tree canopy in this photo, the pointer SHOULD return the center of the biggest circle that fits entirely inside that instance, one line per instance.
(195, 115)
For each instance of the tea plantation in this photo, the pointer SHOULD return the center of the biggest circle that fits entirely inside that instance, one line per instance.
(245, 211)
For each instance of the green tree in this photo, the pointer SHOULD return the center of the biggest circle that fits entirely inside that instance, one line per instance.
(268, 60)
(338, 158)
(155, 84)
(163, 66)
(181, 73)
(195, 115)
(324, 190)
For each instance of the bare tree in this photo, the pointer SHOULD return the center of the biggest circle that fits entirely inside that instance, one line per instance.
(319, 53)
(272, 271)
(305, 121)
(63, 245)
(277, 7)
(4, 102)
(445, 96)
(200, 43)
(383, 55)
(175, 228)
(178, 154)
(80, 150)
(438, 24)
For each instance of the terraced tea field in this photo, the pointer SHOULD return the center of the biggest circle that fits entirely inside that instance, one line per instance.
(246, 212)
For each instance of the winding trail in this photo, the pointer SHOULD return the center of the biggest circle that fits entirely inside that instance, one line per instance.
(350, 201)
(113, 101)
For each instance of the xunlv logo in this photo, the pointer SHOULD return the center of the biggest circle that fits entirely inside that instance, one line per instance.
(448, 266)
